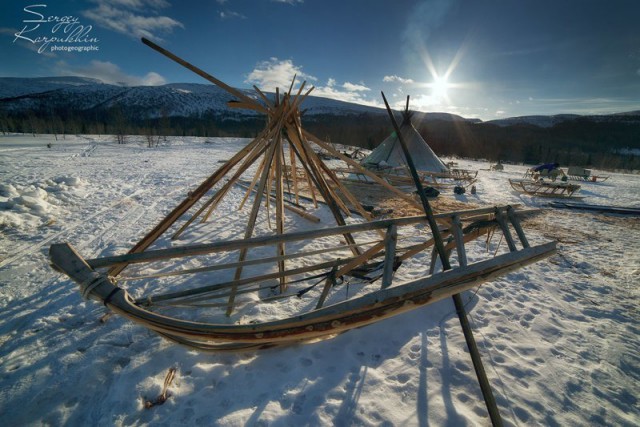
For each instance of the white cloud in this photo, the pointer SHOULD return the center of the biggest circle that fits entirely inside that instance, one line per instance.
(268, 75)
(394, 78)
(347, 92)
(110, 73)
(350, 87)
(278, 73)
(422, 102)
(134, 18)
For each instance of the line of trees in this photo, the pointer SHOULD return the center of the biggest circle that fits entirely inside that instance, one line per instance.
(579, 142)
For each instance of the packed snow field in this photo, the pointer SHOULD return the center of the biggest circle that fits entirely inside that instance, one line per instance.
(558, 338)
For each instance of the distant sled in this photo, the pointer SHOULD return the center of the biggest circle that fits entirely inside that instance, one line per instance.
(622, 210)
(545, 189)
(575, 173)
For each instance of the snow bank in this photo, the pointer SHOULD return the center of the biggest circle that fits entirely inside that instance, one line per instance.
(37, 204)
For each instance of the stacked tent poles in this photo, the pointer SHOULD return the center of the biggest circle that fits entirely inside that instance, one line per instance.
(268, 150)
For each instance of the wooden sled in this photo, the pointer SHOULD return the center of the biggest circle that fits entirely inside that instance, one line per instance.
(576, 173)
(177, 314)
(588, 178)
(545, 189)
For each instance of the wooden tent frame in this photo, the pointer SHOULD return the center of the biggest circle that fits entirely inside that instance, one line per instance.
(283, 128)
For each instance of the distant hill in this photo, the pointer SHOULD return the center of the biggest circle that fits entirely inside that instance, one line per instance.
(150, 102)
(549, 121)
(83, 105)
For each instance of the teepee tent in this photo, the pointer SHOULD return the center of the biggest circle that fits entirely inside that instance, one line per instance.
(390, 154)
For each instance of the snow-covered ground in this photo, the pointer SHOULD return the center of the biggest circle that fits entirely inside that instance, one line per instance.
(559, 339)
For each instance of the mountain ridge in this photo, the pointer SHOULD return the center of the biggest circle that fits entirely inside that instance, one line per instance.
(193, 99)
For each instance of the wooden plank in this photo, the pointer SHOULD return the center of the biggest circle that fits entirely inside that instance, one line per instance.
(511, 213)
(254, 181)
(217, 267)
(328, 284)
(245, 106)
(390, 243)
(263, 96)
(459, 240)
(500, 218)
(201, 249)
(294, 175)
(320, 183)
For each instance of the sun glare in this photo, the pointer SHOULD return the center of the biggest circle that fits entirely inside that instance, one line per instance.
(439, 87)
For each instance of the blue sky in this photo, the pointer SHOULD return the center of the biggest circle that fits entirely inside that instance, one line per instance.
(477, 58)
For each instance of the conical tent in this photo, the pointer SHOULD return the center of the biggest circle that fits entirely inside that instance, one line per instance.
(390, 154)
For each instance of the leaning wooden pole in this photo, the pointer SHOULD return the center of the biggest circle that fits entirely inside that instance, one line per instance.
(489, 399)
(235, 92)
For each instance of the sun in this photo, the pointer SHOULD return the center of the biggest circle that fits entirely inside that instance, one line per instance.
(439, 87)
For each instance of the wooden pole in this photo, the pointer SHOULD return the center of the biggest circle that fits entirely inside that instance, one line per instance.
(252, 220)
(280, 212)
(204, 75)
(294, 173)
(511, 213)
(320, 183)
(389, 255)
(490, 401)
(254, 181)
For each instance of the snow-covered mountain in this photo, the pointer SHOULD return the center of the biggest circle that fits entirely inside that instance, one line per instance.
(549, 121)
(537, 120)
(62, 96)
(148, 102)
